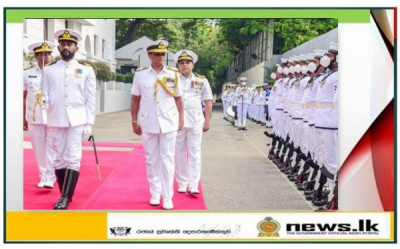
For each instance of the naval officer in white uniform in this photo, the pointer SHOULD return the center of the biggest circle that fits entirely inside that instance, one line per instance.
(188, 143)
(70, 89)
(157, 115)
(35, 114)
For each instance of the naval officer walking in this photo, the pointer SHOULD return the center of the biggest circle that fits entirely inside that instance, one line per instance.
(157, 115)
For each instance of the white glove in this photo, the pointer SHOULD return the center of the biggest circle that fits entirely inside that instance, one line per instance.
(87, 131)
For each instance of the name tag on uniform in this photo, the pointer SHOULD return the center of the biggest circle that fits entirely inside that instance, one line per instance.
(197, 84)
(32, 76)
(78, 73)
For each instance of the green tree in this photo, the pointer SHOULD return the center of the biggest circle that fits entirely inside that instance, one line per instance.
(294, 32)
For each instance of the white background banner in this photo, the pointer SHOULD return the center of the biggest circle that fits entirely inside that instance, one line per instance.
(246, 226)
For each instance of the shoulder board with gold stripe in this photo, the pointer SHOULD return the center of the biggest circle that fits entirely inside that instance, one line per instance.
(84, 63)
(200, 76)
(172, 68)
(28, 67)
(142, 68)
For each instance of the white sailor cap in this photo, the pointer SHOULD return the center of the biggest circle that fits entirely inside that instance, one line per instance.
(243, 79)
(185, 54)
(41, 47)
(159, 46)
(303, 57)
(296, 58)
(333, 47)
(67, 35)
(310, 56)
(291, 59)
(319, 53)
(283, 60)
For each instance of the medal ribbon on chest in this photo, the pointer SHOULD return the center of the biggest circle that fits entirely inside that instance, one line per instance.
(163, 83)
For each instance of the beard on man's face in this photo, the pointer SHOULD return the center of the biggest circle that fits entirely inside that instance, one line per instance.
(66, 55)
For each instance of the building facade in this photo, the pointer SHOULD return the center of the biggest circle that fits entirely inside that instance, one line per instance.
(98, 37)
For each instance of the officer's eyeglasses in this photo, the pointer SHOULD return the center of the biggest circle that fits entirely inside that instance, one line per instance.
(158, 54)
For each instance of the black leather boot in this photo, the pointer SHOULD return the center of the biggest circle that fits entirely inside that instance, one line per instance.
(60, 175)
(71, 178)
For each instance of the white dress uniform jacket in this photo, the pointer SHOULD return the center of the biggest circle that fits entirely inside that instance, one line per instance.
(157, 112)
(71, 91)
(195, 89)
(32, 81)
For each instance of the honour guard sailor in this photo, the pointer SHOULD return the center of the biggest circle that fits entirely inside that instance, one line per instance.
(70, 88)
(157, 115)
(243, 96)
(188, 142)
(35, 114)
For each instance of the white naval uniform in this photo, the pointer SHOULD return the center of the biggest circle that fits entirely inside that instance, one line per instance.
(224, 98)
(335, 113)
(287, 115)
(271, 105)
(296, 96)
(41, 143)
(71, 90)
(314, 143)
(324, 120)
(243, 96)
(158, 117)
(188, 141)
(279, 107)
(260, 105)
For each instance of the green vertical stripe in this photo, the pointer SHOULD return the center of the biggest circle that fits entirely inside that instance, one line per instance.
(14, 15)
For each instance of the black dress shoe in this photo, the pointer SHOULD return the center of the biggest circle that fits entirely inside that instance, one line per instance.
(239, 128)
(244, 128)
(321, 202)
(309, 197)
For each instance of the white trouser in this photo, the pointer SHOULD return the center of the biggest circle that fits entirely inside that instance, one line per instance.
(305, 141)
(318, 149)
(42, 148)
(313, 141)
(263, 115)
(242, 113)
(225, 106)
(188, 157)
(280, 122)
(67, 146)
(160, 162)
(336, 140)
(286, 127)
(329, 150)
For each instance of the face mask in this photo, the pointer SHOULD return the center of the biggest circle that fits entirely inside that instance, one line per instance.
(243, 83)
(325, 61)
(291, 69)
(304, 69)
(337, 58)
(280, 70)
(286, 71)
(273, 76)
(312, 67)
(297, 68)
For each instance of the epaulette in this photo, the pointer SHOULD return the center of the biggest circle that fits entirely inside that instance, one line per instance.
(28, 67)
(54, 62)
(85, 64)
(172, 68)
(142, 68)
(200, 76)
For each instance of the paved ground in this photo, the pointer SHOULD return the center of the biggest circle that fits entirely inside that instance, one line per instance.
(236, 173)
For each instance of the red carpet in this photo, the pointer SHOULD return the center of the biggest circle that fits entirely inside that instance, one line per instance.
(124, 184)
